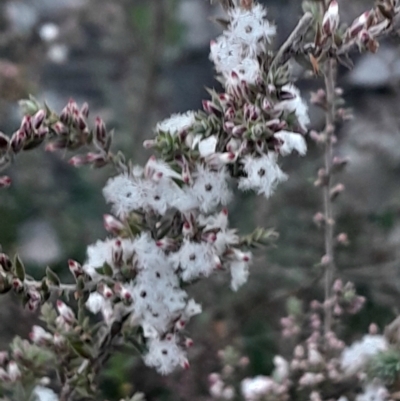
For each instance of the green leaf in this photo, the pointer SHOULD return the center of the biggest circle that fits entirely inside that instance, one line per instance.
(81, 349)
(52, 277)
(19, 268)
(108, 271)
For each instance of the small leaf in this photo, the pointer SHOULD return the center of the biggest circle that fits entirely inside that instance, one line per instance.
(19, 268)
(81, 349)
(52, 277)
(107, 269)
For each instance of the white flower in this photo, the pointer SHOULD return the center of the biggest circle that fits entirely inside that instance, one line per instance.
(39, 334)
(125, 194)
(156, 193)
(225, 239)
(156, 169)
(239, 273)
(255, 388)
(226, 54)
(263, 174)
(356, 357)
(192, 308)
(251, 27)
(95, 302)
(41, 393)
(177, 123)
(212, 222)
(281, 372)
(13, 371)
(210, 188)
(296, 105)
(207, 146)
(291, 141)
(193, 260)
(102, 252)
(164, 355)
(248, 71)
(373, 392)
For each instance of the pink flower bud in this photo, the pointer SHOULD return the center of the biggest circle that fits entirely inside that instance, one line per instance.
(59, 128)
(112, 224)
(77, 161)
(227, 158)
(358, 24)
(330, 21)
(65, 312)
(40, 336)
(149, 143)
(373, 329)
(325, 260)
(85, 110)
(75, 268)
(38, 119)
(188, 342)
(13, 371)
(338, 286)
(117, 253)
(5, 181)
(100, 131)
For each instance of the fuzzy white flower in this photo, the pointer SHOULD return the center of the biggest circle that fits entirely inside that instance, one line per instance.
(254, 389)
(239, 273)
(210, 188)
(296, 105)
(177, 123)
(291, 141)
(247, 71)
(41, 393)
(263, 174)
(207, 146)
(281, 372)
(251, 27)
(356, 357)
(373, 392)
(156, 169)
(226, 54)
(124, 193)
(193, 260)
(39, 334)
(102, 252)
(95, 302)
(164, 355)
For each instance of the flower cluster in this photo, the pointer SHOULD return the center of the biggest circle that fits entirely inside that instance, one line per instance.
(320, 366)
(175, 205)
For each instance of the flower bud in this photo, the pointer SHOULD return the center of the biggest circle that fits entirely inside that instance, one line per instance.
(330, 21)
(112, 224)
(5, 181)
(358, 24)
(75, 268)
(65, 312)
(85, 110)
(13, 371)
(38, 119)
(39, 335)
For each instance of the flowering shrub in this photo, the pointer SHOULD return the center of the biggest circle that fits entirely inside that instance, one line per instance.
(170, 225)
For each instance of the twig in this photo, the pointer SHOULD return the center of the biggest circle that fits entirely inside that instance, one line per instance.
(294, 37)
(61, 287)
(330, 112)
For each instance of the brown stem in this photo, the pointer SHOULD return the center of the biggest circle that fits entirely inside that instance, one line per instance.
(330, 112)
(295, 36)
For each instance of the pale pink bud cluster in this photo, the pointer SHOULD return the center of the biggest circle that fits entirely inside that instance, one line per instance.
(290, 327)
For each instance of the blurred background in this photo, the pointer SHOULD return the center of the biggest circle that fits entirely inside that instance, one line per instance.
(138, 61)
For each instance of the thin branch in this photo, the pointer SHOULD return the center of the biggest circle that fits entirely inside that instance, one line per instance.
(330, 113)
(294, 38)
(61, 287)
